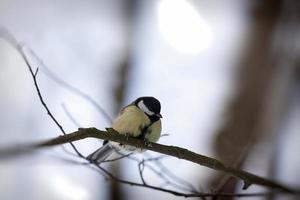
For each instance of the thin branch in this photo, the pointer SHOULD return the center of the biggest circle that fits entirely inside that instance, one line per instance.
(168, 173)
(118, 158)
(69, 87)
(176, 193)
(10, 38)
(42, 100)
(141, 166)
(69, 115)
(167, 179)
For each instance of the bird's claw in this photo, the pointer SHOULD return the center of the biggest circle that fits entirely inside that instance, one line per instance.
(127, 136)
(146, 142)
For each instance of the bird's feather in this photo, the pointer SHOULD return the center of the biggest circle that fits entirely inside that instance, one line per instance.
(102, 153)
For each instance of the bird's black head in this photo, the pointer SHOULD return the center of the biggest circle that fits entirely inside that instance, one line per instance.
(150, 106)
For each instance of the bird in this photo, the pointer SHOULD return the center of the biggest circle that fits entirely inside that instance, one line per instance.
(140, 119)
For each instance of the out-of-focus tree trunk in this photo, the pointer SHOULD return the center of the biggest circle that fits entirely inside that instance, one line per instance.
(250, 115)
(265, 78)
(122, 81)
(287, 57)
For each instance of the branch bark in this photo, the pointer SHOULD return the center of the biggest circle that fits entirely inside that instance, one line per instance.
(173, 151)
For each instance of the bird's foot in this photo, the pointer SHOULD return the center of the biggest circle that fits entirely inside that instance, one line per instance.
(146, 142)
(127, 135)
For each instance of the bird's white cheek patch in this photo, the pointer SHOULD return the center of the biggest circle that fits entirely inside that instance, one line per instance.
(144, 108)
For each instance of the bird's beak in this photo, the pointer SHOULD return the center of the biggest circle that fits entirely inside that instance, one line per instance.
(159, 115)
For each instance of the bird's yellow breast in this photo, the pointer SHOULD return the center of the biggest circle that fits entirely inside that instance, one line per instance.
(132, 120)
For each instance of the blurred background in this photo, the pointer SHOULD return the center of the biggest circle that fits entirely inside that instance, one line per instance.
(227, 75)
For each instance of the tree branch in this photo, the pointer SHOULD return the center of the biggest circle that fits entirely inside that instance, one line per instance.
(174, 151)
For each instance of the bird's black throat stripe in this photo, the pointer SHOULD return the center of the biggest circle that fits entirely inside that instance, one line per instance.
(144, 131)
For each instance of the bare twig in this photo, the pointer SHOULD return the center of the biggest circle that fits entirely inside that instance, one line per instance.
(71, 88)
(159, 173)
(34, 75)
(176, 193)
(164, 170)
(118, 158)
(10, 38)
(70, 116)
(141, 166)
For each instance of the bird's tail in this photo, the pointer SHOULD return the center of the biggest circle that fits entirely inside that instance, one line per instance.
(101, 154)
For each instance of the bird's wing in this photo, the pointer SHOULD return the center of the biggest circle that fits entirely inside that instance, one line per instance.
(154, 131)
(123, 109)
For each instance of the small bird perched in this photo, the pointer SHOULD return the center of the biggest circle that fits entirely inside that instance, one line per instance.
(140, 119)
